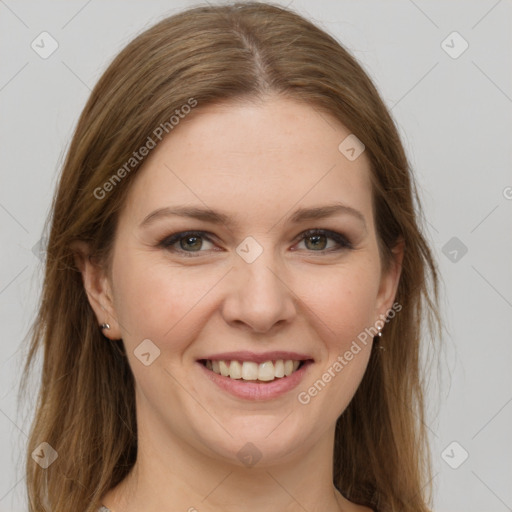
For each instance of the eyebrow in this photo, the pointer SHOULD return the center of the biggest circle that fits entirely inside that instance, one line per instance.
(215, 217)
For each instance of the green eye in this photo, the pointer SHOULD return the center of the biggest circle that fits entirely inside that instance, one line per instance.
(318, 235)
(186, 240)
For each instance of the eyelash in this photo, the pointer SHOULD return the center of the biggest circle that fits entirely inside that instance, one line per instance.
(341, 240)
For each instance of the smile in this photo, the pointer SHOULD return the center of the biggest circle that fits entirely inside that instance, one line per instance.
(266, 371)
(256, 376)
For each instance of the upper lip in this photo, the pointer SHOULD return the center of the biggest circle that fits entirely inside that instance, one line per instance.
(245, 355)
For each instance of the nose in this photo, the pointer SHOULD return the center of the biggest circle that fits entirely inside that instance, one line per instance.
(259, 297)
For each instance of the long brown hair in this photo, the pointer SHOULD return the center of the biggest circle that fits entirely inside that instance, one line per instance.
(86, 403)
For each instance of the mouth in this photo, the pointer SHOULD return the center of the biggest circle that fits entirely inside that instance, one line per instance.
(252, 371)
(256, 376)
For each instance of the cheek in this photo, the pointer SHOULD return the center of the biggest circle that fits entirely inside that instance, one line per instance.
(158, 301)
(342, 306)
(342, 299)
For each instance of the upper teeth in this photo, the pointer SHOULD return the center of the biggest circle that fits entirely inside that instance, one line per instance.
(249, 370)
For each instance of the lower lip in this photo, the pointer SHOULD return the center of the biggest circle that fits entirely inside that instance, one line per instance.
(252, 390)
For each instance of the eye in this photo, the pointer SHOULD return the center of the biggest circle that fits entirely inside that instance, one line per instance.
(186, 240)
(316, 239)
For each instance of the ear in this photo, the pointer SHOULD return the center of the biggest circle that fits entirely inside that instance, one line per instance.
(98, 289)
(389, 281)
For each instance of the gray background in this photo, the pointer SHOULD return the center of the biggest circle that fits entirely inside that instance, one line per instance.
(454, 115)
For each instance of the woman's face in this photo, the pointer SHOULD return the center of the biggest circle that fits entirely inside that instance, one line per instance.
(249, 284)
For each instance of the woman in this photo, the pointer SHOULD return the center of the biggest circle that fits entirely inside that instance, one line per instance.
(234, 284)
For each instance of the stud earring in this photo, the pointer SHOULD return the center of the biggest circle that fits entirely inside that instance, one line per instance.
(105, 326)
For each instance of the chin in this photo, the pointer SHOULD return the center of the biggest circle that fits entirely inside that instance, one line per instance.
(261, 440)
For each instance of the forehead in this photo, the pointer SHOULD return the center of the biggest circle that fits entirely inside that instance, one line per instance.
(252, 158)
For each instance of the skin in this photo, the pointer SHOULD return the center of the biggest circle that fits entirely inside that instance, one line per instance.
(258, 163)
